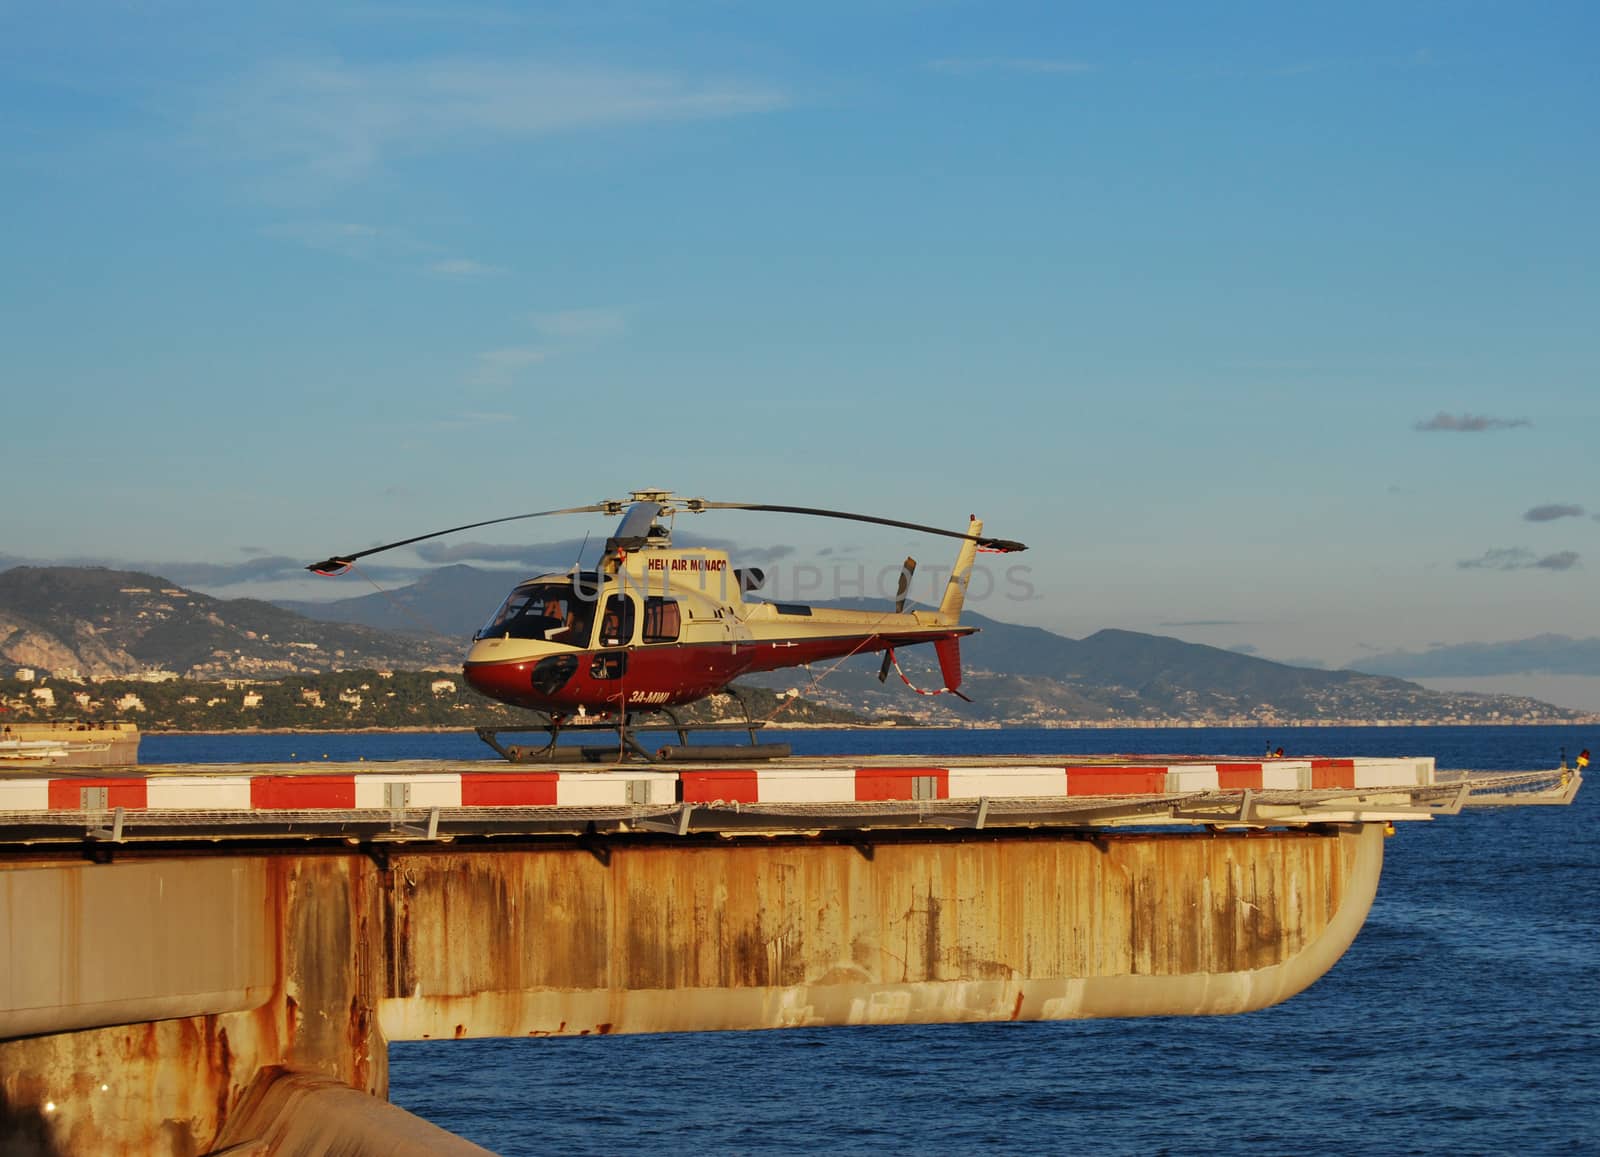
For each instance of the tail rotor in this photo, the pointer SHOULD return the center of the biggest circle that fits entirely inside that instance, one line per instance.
(907, 569)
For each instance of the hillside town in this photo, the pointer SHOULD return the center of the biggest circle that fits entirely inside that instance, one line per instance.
(345, 700)
(164, 701)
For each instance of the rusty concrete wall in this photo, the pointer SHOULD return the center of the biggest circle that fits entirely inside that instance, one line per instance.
(651, 934)
(660, 937)
(165, 1086)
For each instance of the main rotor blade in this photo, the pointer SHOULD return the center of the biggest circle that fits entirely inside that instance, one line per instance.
(1001, 544)
(338, 562)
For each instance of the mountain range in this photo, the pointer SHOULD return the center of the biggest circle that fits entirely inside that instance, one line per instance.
(1028, 675)
(105, 623)
(1539, 655)
(1020, 673)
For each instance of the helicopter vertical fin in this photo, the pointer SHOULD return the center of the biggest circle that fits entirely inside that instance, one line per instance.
(949, 652)
(955, 591)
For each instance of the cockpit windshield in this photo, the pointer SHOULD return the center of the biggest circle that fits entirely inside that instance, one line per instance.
(550, 611)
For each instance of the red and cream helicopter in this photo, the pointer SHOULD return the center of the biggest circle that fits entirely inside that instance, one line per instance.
(654, 626)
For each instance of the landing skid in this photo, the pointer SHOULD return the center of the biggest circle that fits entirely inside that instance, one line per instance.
(628, 745)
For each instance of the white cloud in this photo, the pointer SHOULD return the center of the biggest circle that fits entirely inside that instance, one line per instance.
(334, 121)
(580, 323)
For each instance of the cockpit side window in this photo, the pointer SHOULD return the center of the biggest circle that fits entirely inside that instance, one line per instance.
(549, 611)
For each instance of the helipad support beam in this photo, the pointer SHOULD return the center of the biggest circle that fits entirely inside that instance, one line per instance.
(950, 928)
(92, 944)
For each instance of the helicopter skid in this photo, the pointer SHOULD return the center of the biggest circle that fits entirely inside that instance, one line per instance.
(628, 745)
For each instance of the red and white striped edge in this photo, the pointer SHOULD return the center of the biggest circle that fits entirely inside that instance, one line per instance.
(378, 790)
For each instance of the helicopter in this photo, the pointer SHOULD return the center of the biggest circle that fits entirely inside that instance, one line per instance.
(653, 626)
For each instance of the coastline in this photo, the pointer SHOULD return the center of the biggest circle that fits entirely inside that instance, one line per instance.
(1125, 725)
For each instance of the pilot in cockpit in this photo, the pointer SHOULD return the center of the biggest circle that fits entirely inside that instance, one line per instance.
(564, 627)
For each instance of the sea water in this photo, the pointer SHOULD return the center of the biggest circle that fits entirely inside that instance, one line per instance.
(1461, 1020)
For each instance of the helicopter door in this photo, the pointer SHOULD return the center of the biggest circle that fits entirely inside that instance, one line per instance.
(616, 630)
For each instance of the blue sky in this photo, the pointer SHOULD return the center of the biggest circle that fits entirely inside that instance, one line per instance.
(1167, 291)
